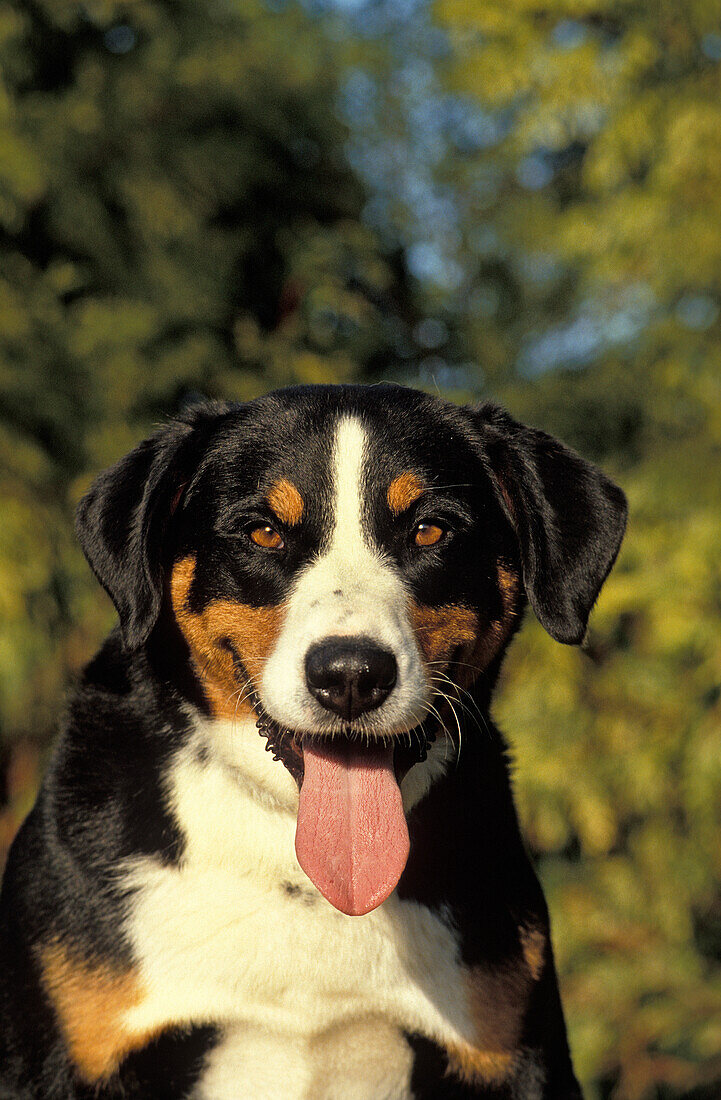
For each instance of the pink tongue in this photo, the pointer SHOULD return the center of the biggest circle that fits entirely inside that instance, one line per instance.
(351, 838)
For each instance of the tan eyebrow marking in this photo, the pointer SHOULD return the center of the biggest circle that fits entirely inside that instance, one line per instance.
(403, 491)
(286, 502)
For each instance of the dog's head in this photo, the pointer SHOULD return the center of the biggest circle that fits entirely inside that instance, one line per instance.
(343, 561)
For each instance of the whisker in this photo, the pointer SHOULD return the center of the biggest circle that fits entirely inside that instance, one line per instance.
(464, 705)
(430, 709)
(449, 701)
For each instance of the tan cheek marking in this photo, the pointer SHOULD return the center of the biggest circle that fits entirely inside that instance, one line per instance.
(441, 631)
(91, 1002)
(490, 640)
(286, 502)
(252, 631)
(403, 491)
(498, 1000)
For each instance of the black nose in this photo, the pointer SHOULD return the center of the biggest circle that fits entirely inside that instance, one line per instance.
(350, 675)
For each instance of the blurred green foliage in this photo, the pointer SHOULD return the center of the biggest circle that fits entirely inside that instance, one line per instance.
(607, 216)
(185, 209)
(176, 219)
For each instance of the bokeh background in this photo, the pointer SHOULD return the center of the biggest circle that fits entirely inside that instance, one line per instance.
(516, 199)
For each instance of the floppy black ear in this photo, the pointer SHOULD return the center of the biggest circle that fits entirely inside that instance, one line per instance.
(568, 516)
(120, 523)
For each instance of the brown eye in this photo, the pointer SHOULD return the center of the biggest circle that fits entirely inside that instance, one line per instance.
(267, 537)
(427, 534)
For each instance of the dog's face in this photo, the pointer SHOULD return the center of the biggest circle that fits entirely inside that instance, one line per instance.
(341, 561)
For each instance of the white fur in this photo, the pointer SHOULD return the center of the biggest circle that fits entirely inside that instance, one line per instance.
(369, 1059)
(351, 589)
(302, 991)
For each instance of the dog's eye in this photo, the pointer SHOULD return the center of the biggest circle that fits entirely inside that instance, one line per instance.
(267, 537)
(427, 534)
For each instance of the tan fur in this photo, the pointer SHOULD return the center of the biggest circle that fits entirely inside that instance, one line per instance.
(498, 1000)
(489, 641)
(441, 630)
(90, 1001)
(252, 631)
(403, 491)
(508, 582)
(286, 502)
(452, 629)
(533, 945)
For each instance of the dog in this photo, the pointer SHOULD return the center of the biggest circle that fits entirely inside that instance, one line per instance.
(333, 574)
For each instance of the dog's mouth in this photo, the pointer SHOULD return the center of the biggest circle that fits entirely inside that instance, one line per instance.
(351, 836)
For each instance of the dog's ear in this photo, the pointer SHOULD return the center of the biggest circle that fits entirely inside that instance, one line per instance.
(569, 518)
(121, 522)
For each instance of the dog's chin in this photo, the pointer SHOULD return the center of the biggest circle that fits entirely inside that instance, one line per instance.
(351, 834)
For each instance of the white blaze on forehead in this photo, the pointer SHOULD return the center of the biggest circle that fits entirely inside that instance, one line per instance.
(348, 542)
(349, 463)
(351, 589)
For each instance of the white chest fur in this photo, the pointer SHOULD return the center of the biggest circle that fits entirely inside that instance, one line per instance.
(237, 936)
